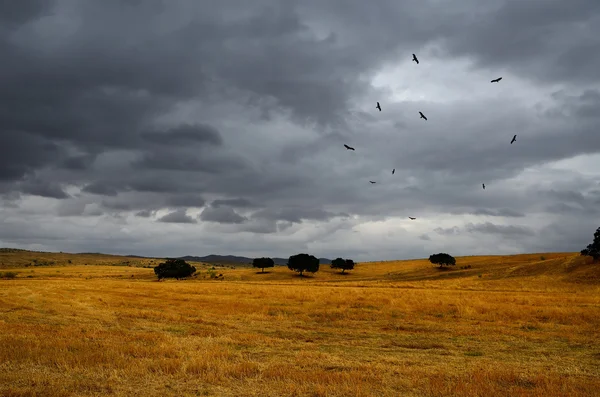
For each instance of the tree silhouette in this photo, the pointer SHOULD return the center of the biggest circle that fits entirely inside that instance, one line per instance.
(262, 263)
(303, 263)
(442, 259)
(174, 268)
(593, 249)
(344, 264)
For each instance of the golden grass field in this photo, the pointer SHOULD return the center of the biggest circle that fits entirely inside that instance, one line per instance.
(523, 325)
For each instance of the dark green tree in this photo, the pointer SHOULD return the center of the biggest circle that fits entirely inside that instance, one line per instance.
(174, 268)
(262, 263)
(593, 249)
(442, 259)
(303, 263)
(344, 264)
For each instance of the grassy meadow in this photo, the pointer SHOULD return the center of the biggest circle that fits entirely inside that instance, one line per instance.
(97, 325)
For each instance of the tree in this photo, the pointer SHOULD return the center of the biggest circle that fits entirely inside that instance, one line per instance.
(262, 263)
(174, 268)
(303, 263)
(442, 259)
(593, 249)
(344, 264)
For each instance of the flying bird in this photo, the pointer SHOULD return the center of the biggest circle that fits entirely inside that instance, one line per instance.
(348, 147)
(394, 170)
(415, 59)
(423, 116)
(483, 184)
(496, 80)
(378, 106)
(514, 139)
(372, 182)
(411, 218)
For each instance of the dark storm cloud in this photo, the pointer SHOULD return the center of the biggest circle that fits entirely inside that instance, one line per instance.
(37, 187)
(508, 231)
(235, 202)
(505, 212)
(99, 189)
(221, 215)
(188, 200)
(145, 213)
(295, 215)
(178, 216)
(162, 105)
(544, 40)
(186, 134)
(14, 13)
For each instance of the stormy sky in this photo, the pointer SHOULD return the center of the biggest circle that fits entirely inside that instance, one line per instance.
(167, 128)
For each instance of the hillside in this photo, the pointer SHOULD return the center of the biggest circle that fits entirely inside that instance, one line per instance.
(568, 267)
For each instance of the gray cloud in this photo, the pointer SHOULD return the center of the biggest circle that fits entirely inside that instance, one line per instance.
(221, 215)
(504, 230)
(178, 216)
(243, 109)
(447, 231)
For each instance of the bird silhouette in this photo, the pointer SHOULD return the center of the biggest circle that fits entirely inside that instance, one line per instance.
(415, 59)
(372, 182)
(378, 106)
(514, 139)
(411, 218)
(483, 184)
(423, 116)
(348, 147)
(394, 170)
(496, 80)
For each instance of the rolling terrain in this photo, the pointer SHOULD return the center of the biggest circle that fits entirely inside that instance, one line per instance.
(521, 325)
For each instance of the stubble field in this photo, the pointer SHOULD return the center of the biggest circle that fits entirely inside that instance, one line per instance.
(525, 325)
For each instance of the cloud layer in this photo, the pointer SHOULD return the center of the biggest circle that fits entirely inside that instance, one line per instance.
(220, 128)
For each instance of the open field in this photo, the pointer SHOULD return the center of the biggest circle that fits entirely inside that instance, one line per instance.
(524, 325)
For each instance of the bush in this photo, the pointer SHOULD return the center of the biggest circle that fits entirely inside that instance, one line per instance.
(174, 268)
(344, 264)
(262, 263)
(303, 263)
(8, 275)
(442, 259)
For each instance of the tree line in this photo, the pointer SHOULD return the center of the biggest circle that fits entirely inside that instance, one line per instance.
(301, 263)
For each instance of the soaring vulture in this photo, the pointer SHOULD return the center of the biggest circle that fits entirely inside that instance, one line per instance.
(496, 80)
(378, 106)
(423, 116)
(514, 139)
(348, 147)
(415, 59)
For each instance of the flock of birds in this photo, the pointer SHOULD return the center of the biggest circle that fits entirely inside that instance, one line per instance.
(378, 107)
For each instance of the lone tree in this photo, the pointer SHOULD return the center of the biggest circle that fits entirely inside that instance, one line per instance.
(262, 263)
(303, 263)
(442, 259)
(174, 268)
(593, 249)
(344, 264)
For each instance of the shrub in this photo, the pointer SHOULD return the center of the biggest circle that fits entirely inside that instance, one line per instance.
(8, 275)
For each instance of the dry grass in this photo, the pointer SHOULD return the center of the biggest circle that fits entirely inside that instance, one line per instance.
(527, 327)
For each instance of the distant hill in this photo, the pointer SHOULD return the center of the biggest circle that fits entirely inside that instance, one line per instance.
(232, 259)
